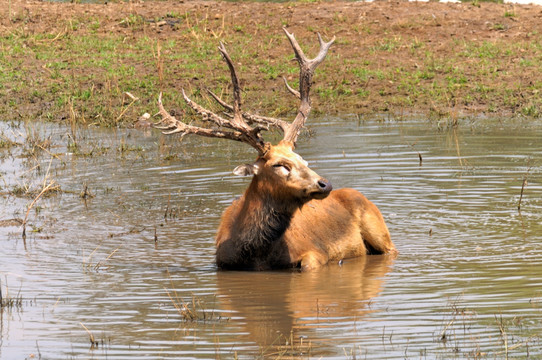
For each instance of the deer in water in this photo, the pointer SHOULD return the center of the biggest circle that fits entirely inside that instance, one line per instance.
(289, 217)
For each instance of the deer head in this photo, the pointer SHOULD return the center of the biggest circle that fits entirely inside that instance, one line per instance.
(288, 175)
(278, 164)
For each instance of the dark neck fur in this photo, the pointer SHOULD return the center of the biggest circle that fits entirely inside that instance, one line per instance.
(264, 221)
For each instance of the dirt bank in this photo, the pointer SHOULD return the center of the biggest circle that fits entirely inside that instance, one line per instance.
(77, 61)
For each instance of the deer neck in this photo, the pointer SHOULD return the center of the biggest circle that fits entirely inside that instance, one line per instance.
(264, 216)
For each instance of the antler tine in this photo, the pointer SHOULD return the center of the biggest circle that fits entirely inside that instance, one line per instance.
(170, 125)
(240, 130)
(217, 98)
(306, 71)
(293, 91)
(207, 115)
(324, 48)
(266, 121)
(237, 115)
(300, 55)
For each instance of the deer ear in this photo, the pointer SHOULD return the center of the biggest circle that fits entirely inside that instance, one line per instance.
(247, 169)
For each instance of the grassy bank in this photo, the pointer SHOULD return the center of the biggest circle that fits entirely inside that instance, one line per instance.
(106, 63)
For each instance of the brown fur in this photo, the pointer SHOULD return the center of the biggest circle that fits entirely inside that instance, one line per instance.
(288, 217)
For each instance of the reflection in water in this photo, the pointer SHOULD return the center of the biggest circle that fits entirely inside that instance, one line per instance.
(467, 258)
(275, 304)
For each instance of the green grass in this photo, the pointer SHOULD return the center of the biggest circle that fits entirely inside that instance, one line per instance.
(82, 68)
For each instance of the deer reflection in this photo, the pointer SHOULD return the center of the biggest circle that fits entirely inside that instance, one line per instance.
(272, 304)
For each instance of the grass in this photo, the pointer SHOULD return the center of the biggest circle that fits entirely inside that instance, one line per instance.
(82, 67)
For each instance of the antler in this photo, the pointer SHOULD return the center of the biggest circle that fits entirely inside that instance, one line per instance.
(264, 121)
(237, 125)
(306, 71)
(239, 128)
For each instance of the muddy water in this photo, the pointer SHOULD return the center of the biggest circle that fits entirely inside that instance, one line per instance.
(133, 261)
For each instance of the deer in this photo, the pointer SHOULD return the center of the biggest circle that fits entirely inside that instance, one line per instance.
(289, 216)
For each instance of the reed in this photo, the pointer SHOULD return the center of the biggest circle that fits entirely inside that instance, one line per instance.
(48, 185)
(192, 310)
(288, 347)
(7, 301)
(523, 184)
(93, 342)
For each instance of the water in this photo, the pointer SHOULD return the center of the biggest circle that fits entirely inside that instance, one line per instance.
(131, 262)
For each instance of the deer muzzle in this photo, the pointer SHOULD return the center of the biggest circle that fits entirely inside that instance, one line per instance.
(322, 189)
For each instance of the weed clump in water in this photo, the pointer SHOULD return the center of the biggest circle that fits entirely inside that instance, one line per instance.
(8, 302)
(193, 310)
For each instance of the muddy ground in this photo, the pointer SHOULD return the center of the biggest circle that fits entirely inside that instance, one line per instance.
(397, 57)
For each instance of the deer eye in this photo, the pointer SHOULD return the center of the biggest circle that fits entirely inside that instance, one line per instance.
(282, 168)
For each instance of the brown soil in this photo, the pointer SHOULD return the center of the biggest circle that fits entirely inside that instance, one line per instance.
(413, 51)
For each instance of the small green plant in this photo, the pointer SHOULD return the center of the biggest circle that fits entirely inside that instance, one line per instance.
(509, 14)
(123, 149)
(363, 92)
(174, 15)
(425, 75)
(531, 110)
(416, 44)
(132, 20)
(95, 25)
(388, 45)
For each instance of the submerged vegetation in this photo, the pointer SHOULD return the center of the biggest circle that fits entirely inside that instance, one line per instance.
(105, 64)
